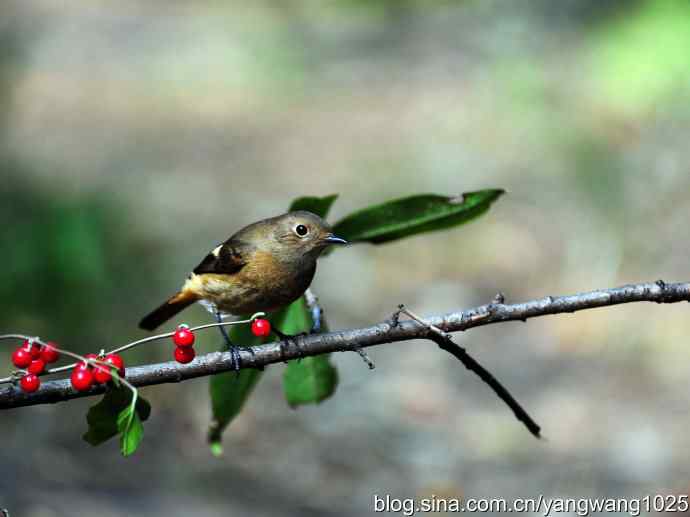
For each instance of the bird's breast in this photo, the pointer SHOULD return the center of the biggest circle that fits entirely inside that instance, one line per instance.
(263, 284)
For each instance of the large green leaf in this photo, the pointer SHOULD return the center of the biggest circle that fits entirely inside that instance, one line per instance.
(312, 379)
(415, 214)
(309, 381)
(102, 417)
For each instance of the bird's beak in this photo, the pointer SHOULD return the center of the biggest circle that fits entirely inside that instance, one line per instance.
(332, 239)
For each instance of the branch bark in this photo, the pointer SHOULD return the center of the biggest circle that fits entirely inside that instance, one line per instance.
(390, 331)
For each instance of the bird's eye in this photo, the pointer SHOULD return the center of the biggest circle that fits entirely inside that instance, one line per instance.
(301, 230)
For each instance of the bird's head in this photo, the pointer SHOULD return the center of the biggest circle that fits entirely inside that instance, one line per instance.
(302, 234)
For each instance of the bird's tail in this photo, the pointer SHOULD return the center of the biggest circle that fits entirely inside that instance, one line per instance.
(166, 311)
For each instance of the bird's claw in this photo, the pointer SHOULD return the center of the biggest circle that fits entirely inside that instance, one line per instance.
(286, 340)
(236, 358)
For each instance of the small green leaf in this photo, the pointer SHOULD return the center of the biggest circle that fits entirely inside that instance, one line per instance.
(102, 417)
(316, 205)
(312, 379)
(411, 215)
(131, 430)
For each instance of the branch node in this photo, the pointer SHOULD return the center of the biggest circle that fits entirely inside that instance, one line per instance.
(662, 285)
(395, 318)
(432, 328)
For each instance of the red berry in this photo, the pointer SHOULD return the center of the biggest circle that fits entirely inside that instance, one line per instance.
(183, 336)
(117, 362)
(84, 365)
(261, 327)
(81, 379)
(21, 357)
(101, 374)
(33, 348)
(30, 383)
(49, 353)
(184, 354)
(37, 366)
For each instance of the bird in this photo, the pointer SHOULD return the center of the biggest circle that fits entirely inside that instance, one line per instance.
(263, 267)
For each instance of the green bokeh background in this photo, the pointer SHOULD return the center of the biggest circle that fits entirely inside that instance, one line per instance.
(136, 135)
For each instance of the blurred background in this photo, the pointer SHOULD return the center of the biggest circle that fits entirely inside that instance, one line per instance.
(136, 135)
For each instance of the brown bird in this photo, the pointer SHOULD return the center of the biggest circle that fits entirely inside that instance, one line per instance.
(263, 267)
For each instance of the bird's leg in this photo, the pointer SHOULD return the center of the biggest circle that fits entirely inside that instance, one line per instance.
(316, 313)
(224, 333)
(234, 351)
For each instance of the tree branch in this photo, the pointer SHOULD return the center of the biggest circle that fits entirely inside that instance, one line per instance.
(354, 339)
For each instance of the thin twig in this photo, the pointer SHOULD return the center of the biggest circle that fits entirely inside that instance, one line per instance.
(350, 340)
(445, 342)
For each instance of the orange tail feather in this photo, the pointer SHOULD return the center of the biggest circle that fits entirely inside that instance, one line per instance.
(175, 304)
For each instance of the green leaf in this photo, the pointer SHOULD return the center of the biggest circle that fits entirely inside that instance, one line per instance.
(412, 215)
(316, 205)
(312, 379)
(296, 318)
(102, 417)
(131, 430)
(309, 381)
(230, 390)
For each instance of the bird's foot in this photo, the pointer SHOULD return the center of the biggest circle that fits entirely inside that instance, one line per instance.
(236, 357)
(250, 350)
(235, 351)
(287, 340)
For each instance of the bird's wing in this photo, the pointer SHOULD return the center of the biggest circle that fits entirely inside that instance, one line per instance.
(226, 258)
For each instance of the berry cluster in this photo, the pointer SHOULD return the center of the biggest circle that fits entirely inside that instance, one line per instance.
(34, 358)
(184, 344)
(85, 375)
